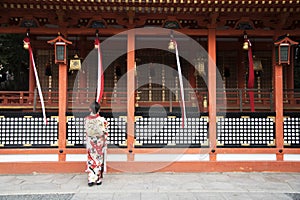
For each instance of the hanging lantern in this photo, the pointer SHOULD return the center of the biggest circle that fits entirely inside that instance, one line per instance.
(97, 41)
(75, 63)
(246, 45)
(26, 40)
(60, 49)
(282, 49)
(60, 52)
(257, 66)
(200, 66)
(171, 45)
(26, 43)
(246, 42)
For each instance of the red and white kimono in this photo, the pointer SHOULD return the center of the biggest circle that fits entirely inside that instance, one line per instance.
(96, 144)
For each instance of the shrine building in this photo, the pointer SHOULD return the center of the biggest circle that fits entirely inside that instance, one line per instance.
(186, 85)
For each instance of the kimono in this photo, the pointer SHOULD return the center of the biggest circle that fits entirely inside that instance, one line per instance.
(96, 144)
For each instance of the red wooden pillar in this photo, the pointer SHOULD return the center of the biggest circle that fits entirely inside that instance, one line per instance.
(278, 93)
(212, 86)
(278, 99)
(60, 45)
(130, 93)
(62, 105)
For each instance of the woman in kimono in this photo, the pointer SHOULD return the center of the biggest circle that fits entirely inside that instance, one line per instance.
(96, 136)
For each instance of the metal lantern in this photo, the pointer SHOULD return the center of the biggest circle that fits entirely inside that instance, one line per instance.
(200, 66)
(257, 65)
(26, 43)
(246, 42)
(60, 52)
(75, 63)
(171, 45)
(282, 49)
(26, 40)
(60, 49)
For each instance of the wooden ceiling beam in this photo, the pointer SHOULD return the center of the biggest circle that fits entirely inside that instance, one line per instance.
(112, 31)
(165, 5)
(268, 12)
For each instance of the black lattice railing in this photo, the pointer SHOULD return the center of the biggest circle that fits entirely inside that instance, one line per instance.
(28, 131)
(244, 131)
(291, 130)
(117, 131)
(168, 131)
(75, 132)
(19, 130)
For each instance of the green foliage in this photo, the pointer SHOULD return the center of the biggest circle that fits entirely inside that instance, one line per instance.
(14, 58)
(297, 68)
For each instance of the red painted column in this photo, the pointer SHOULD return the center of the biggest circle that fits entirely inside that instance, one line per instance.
(212, 86)
(62, 105)
(278, 99)
(130, 93)
(278, 92)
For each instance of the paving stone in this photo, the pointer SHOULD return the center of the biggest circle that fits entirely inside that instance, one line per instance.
(63, 179)
(122, 196)
(294, 184)
(222, 186)
(182, 196)
(38, 197)
(96, 196)
(40, 187)
(7, 178)
(157, 186)
(154, 196)
(9, 188)
(208, 196)
(255, 196)
(294, 196)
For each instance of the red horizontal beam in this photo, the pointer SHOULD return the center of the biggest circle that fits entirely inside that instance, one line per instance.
(137, 167)
(155, 151)
(114, 31)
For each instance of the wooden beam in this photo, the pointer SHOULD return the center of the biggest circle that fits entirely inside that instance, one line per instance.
(278, 94)
(212, 90)
(278, 99)
(113, 31)
(182, 151)
(137, 167)
(62, 104)
(130, 91)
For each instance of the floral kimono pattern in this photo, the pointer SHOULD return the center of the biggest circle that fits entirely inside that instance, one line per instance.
(96, 144)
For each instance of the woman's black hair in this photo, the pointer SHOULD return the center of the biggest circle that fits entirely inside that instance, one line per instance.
(95, 107)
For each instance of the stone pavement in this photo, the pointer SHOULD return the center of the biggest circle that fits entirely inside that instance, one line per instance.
(149, 186)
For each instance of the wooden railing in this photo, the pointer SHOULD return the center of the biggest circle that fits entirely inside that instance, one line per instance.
(16, 99)
(238, 99)
(80, 99)
(291, 99)
(227, 100)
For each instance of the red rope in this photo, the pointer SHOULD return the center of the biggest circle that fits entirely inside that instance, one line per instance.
(251, 77)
